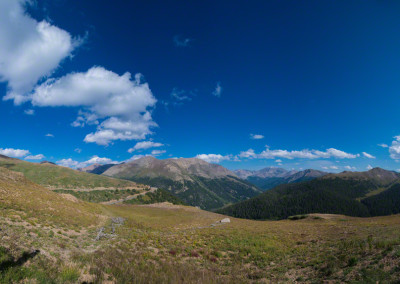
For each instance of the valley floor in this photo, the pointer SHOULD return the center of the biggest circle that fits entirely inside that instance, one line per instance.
(177, 244)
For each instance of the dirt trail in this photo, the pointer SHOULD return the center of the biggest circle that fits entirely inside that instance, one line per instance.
(130, 197)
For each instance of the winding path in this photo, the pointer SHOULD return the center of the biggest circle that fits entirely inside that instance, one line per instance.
(130, 197)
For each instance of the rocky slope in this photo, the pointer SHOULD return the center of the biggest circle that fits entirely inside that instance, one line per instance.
(195, 181)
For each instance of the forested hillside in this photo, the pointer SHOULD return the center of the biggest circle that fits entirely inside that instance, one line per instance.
(355, 194)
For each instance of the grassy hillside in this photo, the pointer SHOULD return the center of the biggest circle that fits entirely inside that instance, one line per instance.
(51, 238)
(358, 194)
(50, 175)
(160, 195)
(99, 196)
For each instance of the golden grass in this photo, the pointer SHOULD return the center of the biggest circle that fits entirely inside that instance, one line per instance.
(181, 244)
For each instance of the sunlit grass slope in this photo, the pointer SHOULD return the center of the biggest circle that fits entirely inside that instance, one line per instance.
(50, 175)
(50, 238)
(34, 203)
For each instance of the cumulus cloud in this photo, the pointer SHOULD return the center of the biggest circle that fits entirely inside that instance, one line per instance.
(70, 163)
(158, 152)
(78, 150)
(145, 145)
(29, 50)
(135, 157)
(383, 145)
(49, 135)
(97, 160)
(218, 90)
(302, 154)
(248, 154)
(180, 41)
(29, 112)
(369, 156)
(278, 161)
(394, 149)
(256, 136)
(117, 104)
(330, 167)
(305, 154)
(35, 157)
(369, 167)
(350, 168)
(213, 158)
(14, 153)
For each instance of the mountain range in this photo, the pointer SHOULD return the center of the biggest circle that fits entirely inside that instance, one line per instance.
(270, 177)
(372, 193)
(195, 181)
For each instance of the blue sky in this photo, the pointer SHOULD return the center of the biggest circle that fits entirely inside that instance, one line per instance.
(317, 82)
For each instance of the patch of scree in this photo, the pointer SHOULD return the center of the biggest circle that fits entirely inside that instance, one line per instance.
(115, 222)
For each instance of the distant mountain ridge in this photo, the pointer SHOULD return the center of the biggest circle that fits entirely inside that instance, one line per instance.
(195, 181)
(270, 177)
(363, 194)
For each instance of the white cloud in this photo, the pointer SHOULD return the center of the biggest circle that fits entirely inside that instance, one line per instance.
(158, 152)
(383, 145)
(97, 160)
(120, 102)
(369, 156)
(256, 136)
(369, 167)
(14, 153)
(278, 161)
(78, 150)
(330, 167)
(394, 149)
(135, 157)
(68, 163)
(302, 154)
(248, 154)
(179, 41)
(29, 50)
(49, 135)
(350, 168)
(35, 157)
(145, 145)
(29, 112)
(213, 158)
(218, 90)
(75, 164)
(180, 95)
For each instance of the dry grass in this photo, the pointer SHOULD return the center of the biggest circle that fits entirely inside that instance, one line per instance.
(179, 244)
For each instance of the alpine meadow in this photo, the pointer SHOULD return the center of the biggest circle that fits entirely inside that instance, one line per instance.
(199, 141)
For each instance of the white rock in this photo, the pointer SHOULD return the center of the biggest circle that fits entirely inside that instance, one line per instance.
(226, 220)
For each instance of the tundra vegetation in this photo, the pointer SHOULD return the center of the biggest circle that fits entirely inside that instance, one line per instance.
(47, 237)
